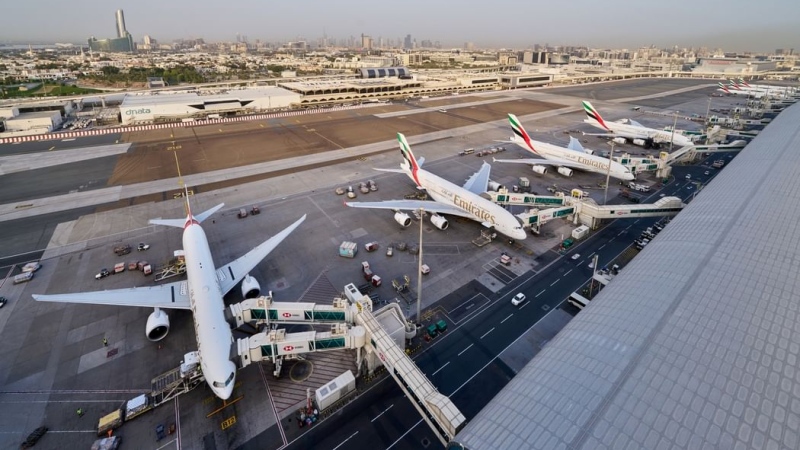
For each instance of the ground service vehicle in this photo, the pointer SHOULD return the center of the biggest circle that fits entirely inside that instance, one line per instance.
(23, 277)
(102, 274)
(123, 249)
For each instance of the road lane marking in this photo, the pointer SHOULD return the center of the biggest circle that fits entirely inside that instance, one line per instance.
(540, 293)
(382, 412)
(404, 434)
(351, 437)
(462, 351)
(567, 273)
(484, 334)
(524, 305)
(601, 247)
(509, 316)
(437, 371)
(554, 282)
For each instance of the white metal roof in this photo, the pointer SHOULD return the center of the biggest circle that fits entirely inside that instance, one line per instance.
(696, 344)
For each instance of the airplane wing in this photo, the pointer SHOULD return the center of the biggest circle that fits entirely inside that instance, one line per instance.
(169, 296)
(635, 123)
(478, 183)
(409, 205)
(232, 273)
(544, 162)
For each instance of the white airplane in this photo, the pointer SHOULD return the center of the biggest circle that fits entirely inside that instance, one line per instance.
(201, 293)
(732, 89)
(572, 157)
(633, 130)
(743, 85)
(448, 198)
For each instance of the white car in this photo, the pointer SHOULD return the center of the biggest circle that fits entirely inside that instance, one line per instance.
(576, 256)
(688, 176)
(706, 172)
(519, 298)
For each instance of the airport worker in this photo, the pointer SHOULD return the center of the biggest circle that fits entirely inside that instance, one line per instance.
(105, 342)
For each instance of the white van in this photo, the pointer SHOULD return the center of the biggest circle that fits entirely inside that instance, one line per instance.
(578, 300)
(23, 277)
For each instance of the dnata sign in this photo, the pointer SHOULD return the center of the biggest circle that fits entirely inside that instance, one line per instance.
(133, 112)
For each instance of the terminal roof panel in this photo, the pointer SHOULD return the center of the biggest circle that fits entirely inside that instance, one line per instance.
(696, 344)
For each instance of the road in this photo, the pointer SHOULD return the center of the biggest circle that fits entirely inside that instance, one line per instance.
(464, 363)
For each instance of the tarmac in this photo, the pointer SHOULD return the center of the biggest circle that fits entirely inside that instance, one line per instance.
(52, 359)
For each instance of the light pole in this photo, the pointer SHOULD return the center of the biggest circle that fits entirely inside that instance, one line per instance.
(595, 259)
(608, 173)
(708, 111)
(419, 267)
(672, 137)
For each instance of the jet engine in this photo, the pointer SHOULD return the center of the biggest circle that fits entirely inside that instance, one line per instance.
(157, 325)
(541, 170)
(566, 171)
(250, 287)
(402, 218)
(439, 222)
(495, 186)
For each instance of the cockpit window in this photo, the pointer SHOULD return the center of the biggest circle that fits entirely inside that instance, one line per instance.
(219, 384)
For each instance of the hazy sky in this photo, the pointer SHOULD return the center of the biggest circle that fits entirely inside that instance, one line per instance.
(731, 24)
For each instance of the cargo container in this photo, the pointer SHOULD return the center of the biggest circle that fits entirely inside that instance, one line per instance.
(335, 390)
(348, 249)
(580, 232)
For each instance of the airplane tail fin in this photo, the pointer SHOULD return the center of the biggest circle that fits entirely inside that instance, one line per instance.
(742, 82)
(519, 130)
(594, 115)
(410, 163)
(182, 223)
(723, 87)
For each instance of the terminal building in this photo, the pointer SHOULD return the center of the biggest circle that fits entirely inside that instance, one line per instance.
(162, 107)
(694, 344)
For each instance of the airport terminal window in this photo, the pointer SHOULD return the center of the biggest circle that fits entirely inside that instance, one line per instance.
(529, 79)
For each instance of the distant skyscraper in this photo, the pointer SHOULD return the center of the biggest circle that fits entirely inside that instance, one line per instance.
(122, 43)
(121, 31)
(407, 42)
(366, 42)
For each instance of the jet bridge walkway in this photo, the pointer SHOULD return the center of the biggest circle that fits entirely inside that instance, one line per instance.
(278, 345)
(353, 326)
(436, 409)
(264, 311)
(582, 210)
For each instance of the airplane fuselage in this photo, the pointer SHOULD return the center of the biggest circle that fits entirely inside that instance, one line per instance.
(590, 163)
(213, 334)
(634, 132)
(481, 209)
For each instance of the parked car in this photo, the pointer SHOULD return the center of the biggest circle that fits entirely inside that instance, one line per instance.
(519, 298)
(102, 274)
(389, 251)
(3, 301)
(142, 247)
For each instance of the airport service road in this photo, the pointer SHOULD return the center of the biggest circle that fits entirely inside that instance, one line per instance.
(464, 363)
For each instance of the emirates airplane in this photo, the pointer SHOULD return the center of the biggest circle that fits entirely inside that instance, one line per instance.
(201, 292)
(460, 201)
(566, 159)
(633, 130)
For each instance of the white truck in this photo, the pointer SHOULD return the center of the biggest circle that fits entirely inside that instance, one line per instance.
(639, 187)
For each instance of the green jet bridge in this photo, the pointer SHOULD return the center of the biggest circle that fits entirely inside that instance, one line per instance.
(378, 339)
(583, 210)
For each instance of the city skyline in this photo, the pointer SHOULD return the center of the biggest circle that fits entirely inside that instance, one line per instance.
(724, 24)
